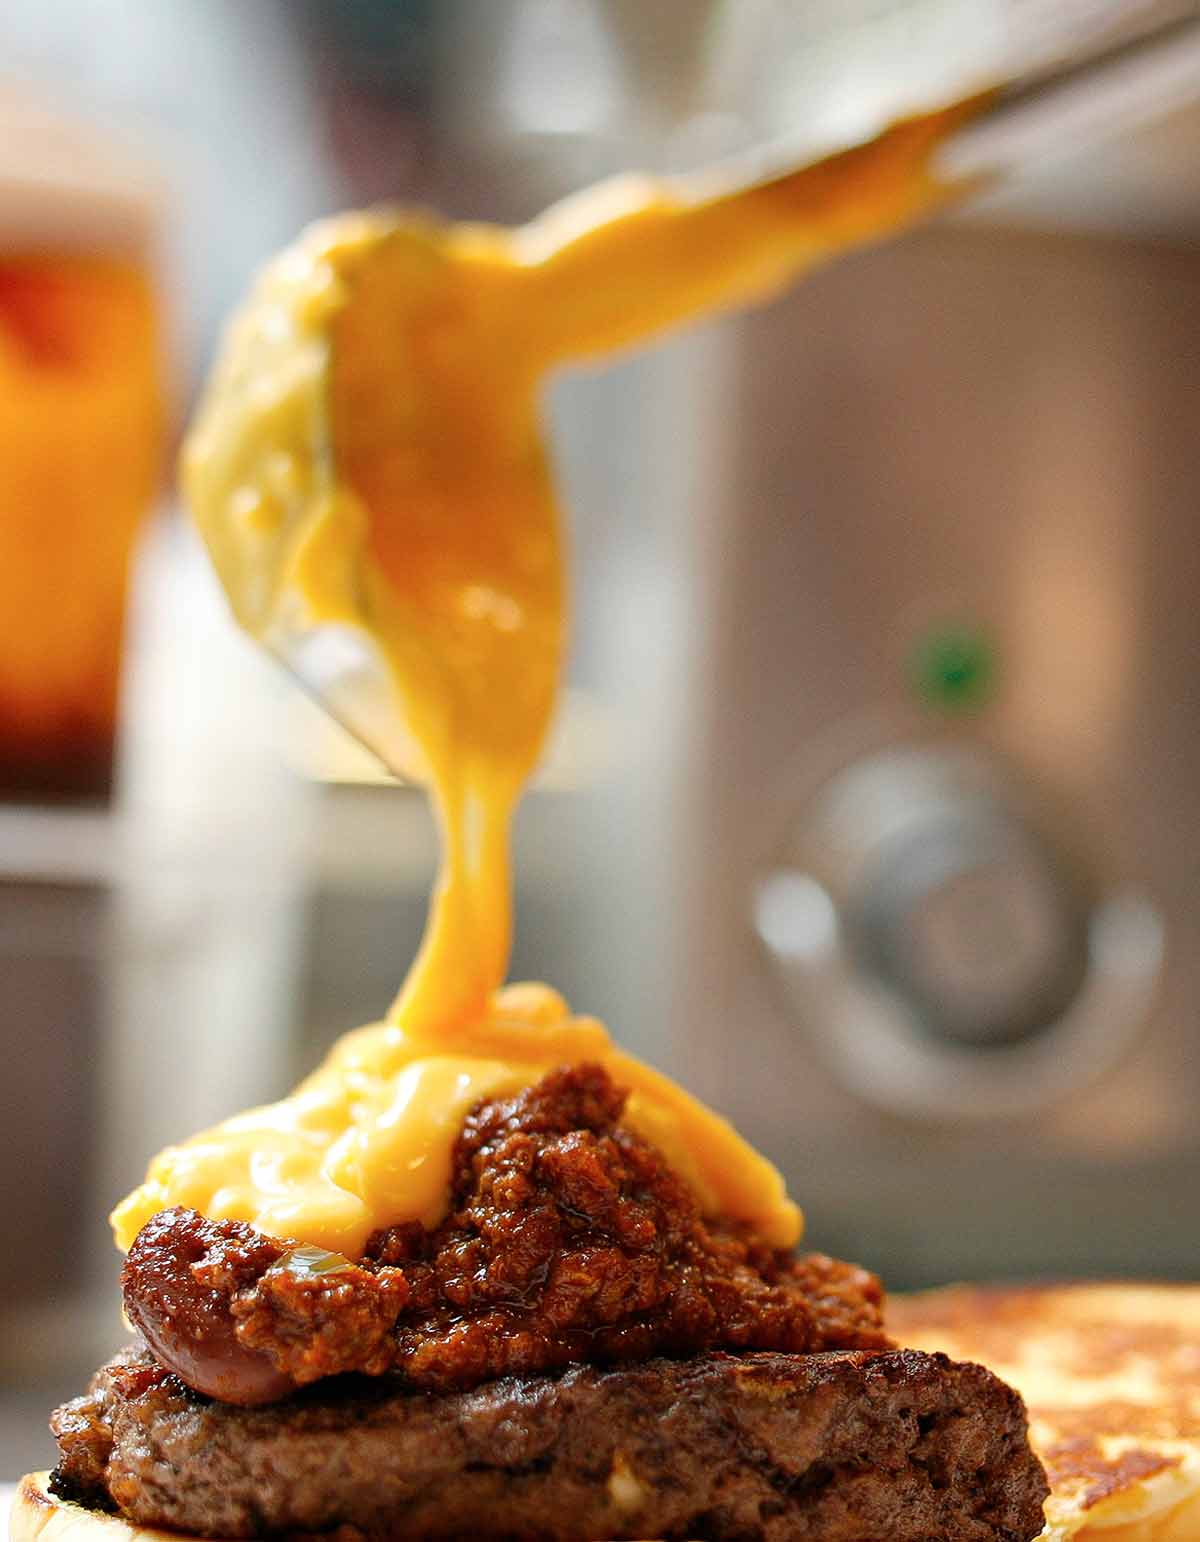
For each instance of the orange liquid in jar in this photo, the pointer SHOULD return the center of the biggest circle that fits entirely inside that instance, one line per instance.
(81, 430)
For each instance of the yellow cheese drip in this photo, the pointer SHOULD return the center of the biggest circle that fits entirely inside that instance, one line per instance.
(370, 453)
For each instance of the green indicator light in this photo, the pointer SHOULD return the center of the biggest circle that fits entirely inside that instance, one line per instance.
(954, 669)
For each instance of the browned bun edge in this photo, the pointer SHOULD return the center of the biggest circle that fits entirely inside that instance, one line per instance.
(38, 1516)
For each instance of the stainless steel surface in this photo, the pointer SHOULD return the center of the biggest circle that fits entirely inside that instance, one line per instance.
(993, 430)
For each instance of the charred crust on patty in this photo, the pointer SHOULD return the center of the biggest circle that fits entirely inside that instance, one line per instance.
(760, 1447)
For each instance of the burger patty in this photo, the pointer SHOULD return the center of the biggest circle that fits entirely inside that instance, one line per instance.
(568, 1238)
(833, 1447)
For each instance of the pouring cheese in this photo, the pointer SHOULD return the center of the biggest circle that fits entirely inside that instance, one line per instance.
(370, 453)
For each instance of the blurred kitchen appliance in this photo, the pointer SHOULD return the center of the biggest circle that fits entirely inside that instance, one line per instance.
(958, 927)
(910, 877)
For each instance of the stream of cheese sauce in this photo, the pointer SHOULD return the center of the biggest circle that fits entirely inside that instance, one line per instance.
(370, 454)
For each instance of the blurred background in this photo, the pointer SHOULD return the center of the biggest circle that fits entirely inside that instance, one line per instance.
(874, 809)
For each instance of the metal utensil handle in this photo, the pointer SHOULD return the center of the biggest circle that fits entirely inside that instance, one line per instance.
(1083, 104)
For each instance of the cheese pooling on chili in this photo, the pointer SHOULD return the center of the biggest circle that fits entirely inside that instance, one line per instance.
(370, 454)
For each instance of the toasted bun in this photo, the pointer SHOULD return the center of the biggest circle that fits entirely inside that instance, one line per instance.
(37, 1516)
(1111, 1377)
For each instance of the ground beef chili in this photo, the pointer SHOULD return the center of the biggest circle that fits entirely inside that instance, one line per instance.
(568, 1239)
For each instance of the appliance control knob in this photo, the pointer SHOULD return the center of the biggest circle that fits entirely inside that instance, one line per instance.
(970, 920)
(947, 960)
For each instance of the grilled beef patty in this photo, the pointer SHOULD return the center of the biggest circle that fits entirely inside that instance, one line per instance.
(833, 1447)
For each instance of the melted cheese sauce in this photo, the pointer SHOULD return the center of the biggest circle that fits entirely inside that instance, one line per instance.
(370, 454)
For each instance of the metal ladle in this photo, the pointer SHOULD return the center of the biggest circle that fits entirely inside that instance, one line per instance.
(1081, 104)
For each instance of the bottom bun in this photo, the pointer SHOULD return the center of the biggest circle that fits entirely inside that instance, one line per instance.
(37, 1515)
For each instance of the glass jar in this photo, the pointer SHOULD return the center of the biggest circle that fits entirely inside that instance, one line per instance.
(81, 444)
